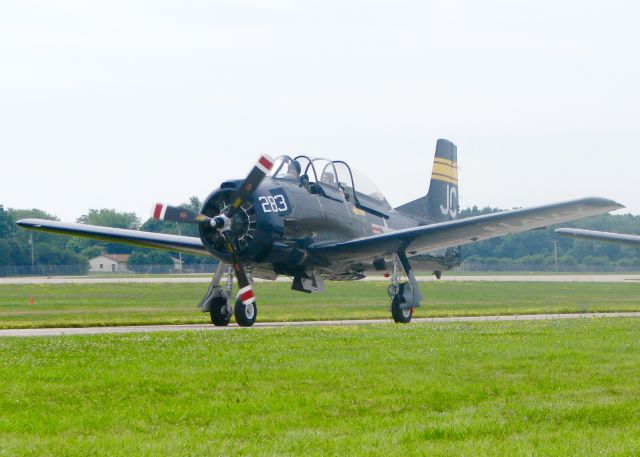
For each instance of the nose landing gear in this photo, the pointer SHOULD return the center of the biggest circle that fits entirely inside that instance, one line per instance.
(217, 301)
(245, 314)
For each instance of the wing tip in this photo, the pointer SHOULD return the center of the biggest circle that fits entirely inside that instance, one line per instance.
(31, 223)
(565, 231)
(604, 202)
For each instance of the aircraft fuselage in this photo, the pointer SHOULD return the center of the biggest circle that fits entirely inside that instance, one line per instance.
(276, 242)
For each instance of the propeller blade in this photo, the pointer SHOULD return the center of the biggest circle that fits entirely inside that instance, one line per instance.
(255, 177)
(223, 222)
(163, 212)
(245, 291)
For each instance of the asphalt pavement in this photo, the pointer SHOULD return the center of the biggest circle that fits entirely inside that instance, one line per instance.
(533, 277)
(271, 325)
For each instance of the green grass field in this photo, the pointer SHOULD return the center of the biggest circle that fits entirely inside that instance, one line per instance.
(551, 388)
(129, 304)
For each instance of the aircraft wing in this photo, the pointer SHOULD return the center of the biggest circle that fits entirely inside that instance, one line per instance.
(187, 244)
(428, 238)
(631, 240)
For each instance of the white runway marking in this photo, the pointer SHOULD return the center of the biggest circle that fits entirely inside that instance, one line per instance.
(209, 327)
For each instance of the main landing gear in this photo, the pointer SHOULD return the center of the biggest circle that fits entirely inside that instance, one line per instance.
(405, 296)
(217, 301)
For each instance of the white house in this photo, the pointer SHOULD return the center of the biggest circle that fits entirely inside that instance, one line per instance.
(177, 264)
(109, 263)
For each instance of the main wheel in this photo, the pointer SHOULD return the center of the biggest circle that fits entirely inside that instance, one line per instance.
(245, 314)
(219, 315)
(400, 315)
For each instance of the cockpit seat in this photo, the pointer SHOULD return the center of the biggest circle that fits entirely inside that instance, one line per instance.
(310, 186)
(348, 192)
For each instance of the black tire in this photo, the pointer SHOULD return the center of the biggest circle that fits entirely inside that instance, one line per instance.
(400, 315)
(245, 314)
(219, 315)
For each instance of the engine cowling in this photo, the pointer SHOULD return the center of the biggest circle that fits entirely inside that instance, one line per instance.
(252, 242)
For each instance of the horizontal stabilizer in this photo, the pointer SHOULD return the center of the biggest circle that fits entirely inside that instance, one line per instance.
(416, 209)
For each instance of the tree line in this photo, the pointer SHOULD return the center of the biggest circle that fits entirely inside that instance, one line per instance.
(22, 248)
(536, 247)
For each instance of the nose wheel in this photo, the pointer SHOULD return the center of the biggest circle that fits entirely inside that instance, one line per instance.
(218, 301)
(245, 313)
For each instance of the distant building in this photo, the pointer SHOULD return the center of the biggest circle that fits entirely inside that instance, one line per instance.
(109, 263)
(177, 265)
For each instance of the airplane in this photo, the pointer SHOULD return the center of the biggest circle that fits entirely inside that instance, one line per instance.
(316, 219)
(620, 238)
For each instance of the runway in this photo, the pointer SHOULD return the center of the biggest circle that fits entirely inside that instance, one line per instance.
(606, 278)
(272, 325)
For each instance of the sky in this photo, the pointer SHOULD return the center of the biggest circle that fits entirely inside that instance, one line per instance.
(121, 104)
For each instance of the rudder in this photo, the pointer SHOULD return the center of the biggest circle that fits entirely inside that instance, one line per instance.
(442, 198)
(441, 202)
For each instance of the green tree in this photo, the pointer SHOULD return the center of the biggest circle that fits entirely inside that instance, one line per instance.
(6, 223)
(110, 218)
(24, 236)
(524, 247)
(177, 228)
(106, 218)
(47, 254)
(141, 258)
(48, 249)
(92, 251)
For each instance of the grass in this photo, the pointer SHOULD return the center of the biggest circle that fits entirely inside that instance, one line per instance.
(59, 305)
(551, 388)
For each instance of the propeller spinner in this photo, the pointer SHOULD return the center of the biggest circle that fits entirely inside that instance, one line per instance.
(246, 314)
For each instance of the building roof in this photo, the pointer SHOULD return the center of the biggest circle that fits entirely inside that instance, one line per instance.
(120, 258)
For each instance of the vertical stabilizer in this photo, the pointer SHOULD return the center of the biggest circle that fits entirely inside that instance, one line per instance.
(441, 202)
(442, 198)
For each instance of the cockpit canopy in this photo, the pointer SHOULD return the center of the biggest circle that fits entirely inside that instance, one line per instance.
(332, 176)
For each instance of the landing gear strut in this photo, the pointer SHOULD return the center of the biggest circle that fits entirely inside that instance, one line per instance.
(405, 296)
(217, 299)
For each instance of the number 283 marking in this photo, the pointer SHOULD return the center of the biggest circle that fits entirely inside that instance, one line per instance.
(273, 204)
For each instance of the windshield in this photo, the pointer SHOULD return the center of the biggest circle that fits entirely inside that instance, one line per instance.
(366, 191)
(327, 171)
(285, 168)
(365, 187)
(336, 174)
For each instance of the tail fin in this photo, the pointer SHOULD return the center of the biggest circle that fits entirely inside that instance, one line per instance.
(442, 199)
(441, 202)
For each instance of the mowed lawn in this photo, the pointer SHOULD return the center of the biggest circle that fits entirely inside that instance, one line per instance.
(550, 388)
(131, 304)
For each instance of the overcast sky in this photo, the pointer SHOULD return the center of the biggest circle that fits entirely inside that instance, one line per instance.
(120, 104)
